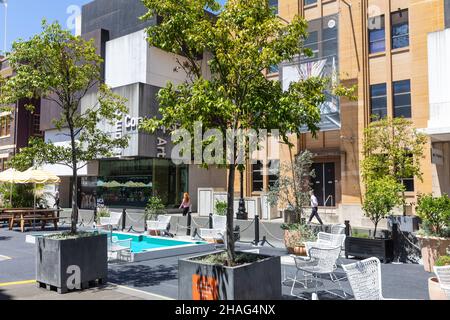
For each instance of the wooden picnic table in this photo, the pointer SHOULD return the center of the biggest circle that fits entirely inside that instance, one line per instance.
(23, 215)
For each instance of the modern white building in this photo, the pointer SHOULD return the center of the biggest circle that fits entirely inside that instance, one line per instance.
(135, 71)
(439, 121)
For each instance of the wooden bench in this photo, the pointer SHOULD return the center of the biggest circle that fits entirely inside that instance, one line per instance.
(43, 221)
(41, 216)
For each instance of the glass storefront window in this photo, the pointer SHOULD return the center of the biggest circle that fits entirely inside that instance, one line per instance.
(130, 183)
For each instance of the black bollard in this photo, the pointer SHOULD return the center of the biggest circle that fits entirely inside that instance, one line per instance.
(347, 234)
(395, 240)
(124, 219)
(189, 224)
(95, 214)
(211, 221)
(256, 241)
(347, 228)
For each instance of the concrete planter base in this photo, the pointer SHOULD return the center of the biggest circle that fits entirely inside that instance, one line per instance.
(435, 291)
(260, 280)
(71, 264)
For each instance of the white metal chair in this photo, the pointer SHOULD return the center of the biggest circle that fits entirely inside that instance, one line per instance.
(326, 240)
(160, 226)
(118, 247)
(365, 279)
(320, 261)
(112, 221)
(218, 232)
(443, 275)
(338, 229)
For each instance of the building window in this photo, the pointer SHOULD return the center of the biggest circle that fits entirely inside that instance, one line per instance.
(377, 40)
(258, 171)
(5, 126)
(402, 99)
(378, 101)
(329, 39)
(258, 177)
(37, 124)
(312, 42)
(274, 4)
(400, 29)
(274, 172)
(309, 2)
(409, 184)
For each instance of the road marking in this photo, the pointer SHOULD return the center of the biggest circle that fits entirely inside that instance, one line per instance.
(2, 258)
(125, 288)
(17, 283)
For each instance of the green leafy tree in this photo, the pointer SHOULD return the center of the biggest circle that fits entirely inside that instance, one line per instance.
(240, 43)
(435, 214)
(392, 147)
(382, 195)
(293, 187)
(62, 68)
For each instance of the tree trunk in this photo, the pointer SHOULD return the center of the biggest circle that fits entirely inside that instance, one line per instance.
(74, 216)
(375, 230)
(230, 215)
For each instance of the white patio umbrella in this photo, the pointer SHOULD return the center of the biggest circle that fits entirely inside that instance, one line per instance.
(37, 177)
(11, 176)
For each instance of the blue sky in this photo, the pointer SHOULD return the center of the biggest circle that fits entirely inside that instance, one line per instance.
(25, 16)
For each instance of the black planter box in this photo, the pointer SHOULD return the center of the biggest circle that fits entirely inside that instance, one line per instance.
(260, 280)
(382, 249)
(57, 261)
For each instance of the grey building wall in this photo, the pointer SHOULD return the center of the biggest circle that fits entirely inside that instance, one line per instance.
(119, 17)
(447, 13)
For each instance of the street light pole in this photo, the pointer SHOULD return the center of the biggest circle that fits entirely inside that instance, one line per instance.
(5, 3)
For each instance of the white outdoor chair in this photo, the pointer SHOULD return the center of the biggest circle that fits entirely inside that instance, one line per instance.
(218, 232)
(160, 226)
(118, 248)
(443, 275)
(320, 261)
(365, 279)
(338, 229)
(112, 221)
(326, 240)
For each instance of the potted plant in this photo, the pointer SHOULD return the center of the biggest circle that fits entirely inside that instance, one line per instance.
(434, 289)
(381, 196)
(434, 233)
(154, 208)
(295, 236)
(221, 208)
(56, 65)
(293, 187)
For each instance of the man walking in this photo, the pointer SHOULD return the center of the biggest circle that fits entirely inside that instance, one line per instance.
(315, 209)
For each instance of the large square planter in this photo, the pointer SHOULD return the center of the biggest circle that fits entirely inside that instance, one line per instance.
(432, 248)
(260, 280)
(62, 263)
(382, 249)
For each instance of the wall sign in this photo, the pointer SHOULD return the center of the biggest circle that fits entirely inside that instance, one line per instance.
(437, 156)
